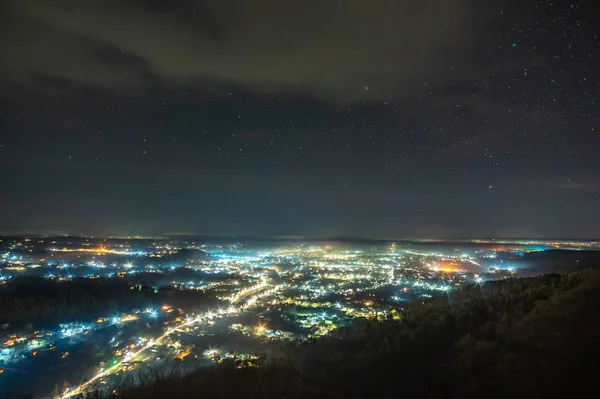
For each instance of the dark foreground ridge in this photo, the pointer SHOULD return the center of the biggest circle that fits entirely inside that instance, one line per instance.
(535, 337)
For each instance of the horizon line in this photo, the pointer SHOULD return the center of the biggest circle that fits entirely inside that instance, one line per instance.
(282, 237)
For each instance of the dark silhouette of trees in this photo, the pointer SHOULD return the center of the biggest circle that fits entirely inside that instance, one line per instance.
(38, 301)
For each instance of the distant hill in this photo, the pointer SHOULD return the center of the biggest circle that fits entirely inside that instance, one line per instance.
(558, 261)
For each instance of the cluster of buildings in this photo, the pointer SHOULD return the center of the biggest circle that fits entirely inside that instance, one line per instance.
(262, 294)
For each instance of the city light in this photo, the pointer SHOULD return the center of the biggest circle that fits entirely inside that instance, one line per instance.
(292, 292)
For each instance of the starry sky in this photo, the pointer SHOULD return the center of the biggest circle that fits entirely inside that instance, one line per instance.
(378, 119)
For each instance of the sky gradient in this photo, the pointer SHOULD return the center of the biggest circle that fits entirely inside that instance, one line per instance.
(379, 119)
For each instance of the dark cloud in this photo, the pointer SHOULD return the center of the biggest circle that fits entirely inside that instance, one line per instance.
(255, 117)
(345, 50)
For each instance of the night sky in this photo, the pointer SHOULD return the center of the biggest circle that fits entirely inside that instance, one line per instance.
(373, 118)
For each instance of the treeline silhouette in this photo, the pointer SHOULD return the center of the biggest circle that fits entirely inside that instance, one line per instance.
(35, 299)
(535, 337)
(41, 302)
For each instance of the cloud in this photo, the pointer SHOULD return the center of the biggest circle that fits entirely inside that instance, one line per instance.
(345, 50)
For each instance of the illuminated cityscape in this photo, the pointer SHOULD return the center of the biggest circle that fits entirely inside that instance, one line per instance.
(299, 199)
(187, 304)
